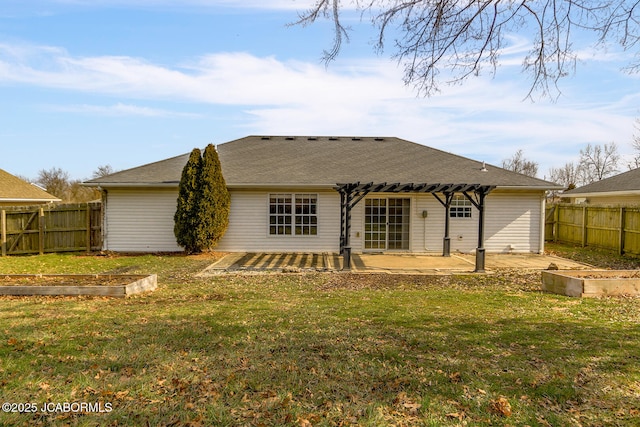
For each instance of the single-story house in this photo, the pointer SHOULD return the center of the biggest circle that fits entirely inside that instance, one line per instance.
(16, 192)
(325, 194)
(622, 189)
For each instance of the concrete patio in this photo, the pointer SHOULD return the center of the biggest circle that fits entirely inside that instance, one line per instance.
(381, 263)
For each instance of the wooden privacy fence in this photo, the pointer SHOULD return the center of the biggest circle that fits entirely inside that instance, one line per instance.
(61, 228)
(614, 228)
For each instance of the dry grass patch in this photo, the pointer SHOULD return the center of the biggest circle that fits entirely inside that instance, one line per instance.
(319, 349)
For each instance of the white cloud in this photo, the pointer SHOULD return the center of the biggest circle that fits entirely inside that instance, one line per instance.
(239, 4)
(484, 119)
(223, 78)
(120, 109)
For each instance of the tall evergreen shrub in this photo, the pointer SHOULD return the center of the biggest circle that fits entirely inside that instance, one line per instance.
(215, 202)
(202, 213)
(186, 216)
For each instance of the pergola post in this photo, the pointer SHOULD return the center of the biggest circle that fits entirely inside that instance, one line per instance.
(346, 247)
(345, 225)
(480, 253)
(350, 195)
(342, 216)
(446, 241)
(481, 193)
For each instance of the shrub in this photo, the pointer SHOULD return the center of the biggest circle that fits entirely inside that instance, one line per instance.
(202, 212)
(214, 201)
(186, 216)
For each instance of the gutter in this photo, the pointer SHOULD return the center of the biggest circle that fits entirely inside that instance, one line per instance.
(230, 186)
(131, 184)
(603, 193)
(284, 186)
(2, 200)
(522, 187)
(262, 185)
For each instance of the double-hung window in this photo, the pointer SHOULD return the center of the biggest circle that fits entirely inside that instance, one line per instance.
(460, 207)
(293, 214)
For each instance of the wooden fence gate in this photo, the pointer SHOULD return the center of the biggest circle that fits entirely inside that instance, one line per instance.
(61, 228)
(614, 228)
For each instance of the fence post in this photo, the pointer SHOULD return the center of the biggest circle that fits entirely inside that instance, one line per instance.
(41, 231)
(584, 226)
(556, 219)
(3, 232)
(621, 237)
(88, 225)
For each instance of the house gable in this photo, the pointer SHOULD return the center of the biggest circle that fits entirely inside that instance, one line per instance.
(14, 190)
(621, 188)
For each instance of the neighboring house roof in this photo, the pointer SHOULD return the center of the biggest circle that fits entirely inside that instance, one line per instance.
(14, 190)
(627, 183)
(276, 161)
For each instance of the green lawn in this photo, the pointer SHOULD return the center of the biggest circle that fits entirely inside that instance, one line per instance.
(317, 349)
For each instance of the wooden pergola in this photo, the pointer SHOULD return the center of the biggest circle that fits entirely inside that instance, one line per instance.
(352, 193)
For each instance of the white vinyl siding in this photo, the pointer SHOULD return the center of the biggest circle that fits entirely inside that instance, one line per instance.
(249, 225)
(140, 220)
(512, 224)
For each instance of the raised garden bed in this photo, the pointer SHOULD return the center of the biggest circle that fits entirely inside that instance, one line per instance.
(592, 283)
(110, 285)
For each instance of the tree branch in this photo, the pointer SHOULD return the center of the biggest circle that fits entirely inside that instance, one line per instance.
(448, 41)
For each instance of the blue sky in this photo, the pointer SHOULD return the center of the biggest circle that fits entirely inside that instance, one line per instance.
(86, 83)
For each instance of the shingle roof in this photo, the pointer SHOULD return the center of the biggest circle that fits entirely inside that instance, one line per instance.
(13, 189)
(326, 161)
(624, 182)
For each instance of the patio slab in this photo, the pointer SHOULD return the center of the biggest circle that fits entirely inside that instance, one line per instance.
(381, 263)
(274, 262)
(409, 263)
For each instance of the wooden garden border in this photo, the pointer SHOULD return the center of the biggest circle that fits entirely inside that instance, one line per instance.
(141, 283)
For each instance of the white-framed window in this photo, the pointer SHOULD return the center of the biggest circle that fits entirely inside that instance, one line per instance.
(280, 214)
(293, 214)
(460, 207)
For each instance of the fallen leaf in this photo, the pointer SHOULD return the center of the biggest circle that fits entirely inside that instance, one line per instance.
(121, 394)
(412, 407)
(457, 415)
(544, 422)
(501, 406)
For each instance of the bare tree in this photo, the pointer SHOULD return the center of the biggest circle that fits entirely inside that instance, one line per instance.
(518, 163)
(58, 183)
(466, 37)
(598, 162)
(635, 144)
(102, 170)
(55, 181)
(568, 176)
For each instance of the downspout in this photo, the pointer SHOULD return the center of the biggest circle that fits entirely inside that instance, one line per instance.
(424, 237)
(480, 251)
(105, 234)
